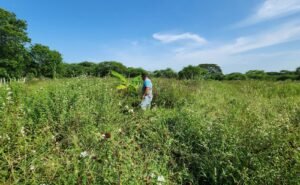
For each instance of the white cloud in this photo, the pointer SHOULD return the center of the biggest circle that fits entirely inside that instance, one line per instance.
(285, 33)
(169, 38)
(232, 56)
(272, 9)
(282, 34)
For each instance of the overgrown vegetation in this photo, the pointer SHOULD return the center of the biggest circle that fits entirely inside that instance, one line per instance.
(82, 131)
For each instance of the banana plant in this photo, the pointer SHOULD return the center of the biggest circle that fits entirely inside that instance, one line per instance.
(127, 85)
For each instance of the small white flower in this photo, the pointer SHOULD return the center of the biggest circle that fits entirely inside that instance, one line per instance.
(130, 111)
(126, 107)
(84, 154)
(161, 179)
(103, 136)
(22, 131)
(209, 128)
(32, 167)
(53, 138)
(152, 175)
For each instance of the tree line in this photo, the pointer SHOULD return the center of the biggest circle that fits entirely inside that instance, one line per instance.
(20, 58)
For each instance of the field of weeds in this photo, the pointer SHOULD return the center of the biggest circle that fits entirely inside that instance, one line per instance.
(82, 131)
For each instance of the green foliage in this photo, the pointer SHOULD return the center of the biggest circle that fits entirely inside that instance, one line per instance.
(48, 61)
(103, 69)
(214, 71)
(298, 71)
(72, 70)
(10, 68)
(168, 94)
(235, 76)
(133, 72)
(79, 131)
(12, 44)
(166, 73)
(3, 73)
(256, 74)
(282, 75)
(192, 72)
(128, 86)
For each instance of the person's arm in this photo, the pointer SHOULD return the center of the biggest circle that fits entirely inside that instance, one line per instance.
(146, 92)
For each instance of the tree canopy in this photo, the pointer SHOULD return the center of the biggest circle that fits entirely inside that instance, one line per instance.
(104, 68)
(192, 72)
(48, 61)
(13, 38)
(235, 76)
(165, 73)
(213, 71)
(256, 74)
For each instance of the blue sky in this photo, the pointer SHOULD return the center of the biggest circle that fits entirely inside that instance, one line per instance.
(239, 35)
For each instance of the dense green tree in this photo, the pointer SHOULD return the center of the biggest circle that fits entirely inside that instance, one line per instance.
(192, 72)
(287, 72)
(165, 73)
(13, 38)
(235, 76)
(72, 70)
(88, 67)
(286, 75)
(104, 68)
(10, 68)
(256, 74)
(272, 75)
(3, 73)
(298, 71)
(214, 71)
(78, 69)
(211, 68)
(49, 62)
(281, 76)
(87, 64)
(133, 72)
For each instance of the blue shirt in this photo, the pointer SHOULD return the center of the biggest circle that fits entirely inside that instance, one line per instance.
(147, 84)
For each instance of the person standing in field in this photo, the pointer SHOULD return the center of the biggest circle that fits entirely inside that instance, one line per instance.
(147, 92)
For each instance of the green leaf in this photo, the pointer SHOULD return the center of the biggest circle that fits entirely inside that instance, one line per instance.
(119, 76)
(121, 87)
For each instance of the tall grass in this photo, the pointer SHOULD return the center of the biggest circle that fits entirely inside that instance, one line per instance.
(81, 131)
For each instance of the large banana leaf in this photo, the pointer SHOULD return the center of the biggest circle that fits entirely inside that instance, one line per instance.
(119, 76)
(121, 87)
(135, 82)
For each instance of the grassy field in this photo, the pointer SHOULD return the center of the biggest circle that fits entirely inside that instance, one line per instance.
(82, 131)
